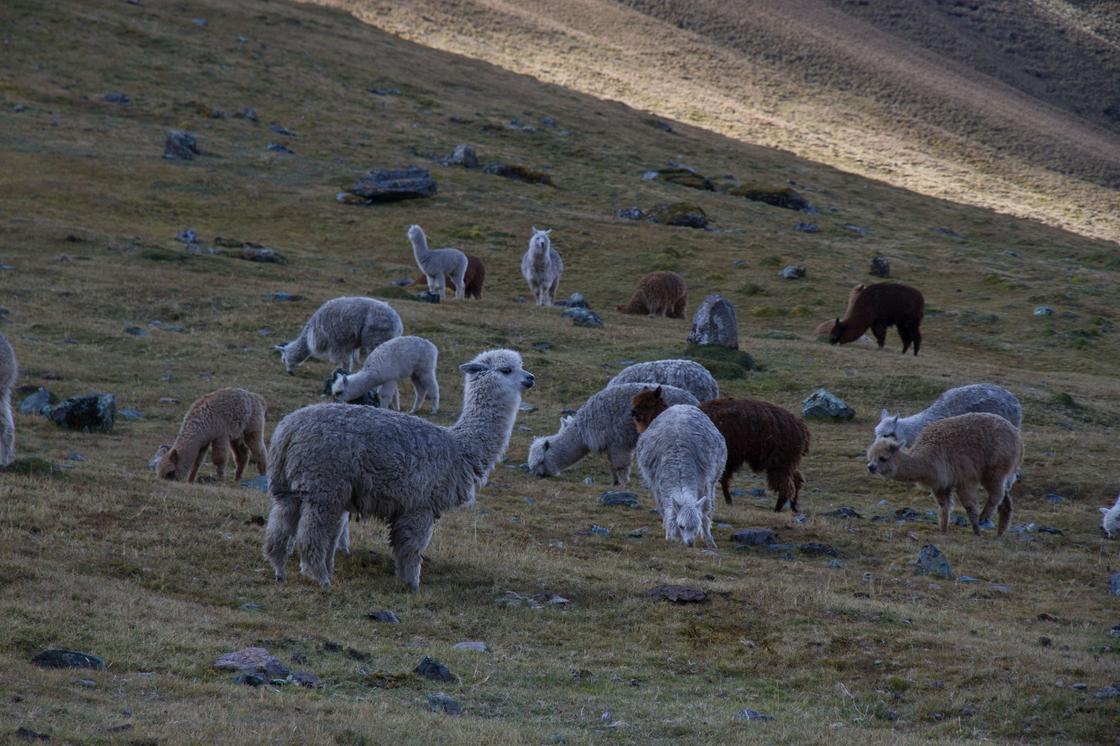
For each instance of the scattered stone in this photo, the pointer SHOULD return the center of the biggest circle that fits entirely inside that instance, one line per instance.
(187, 236)
(180, 145)
(835, 564)
(784, 197)
(807, 227)
(1080, 686)
(517, 172)
(931, 561)
(824, 405)
(463, 155)
(427, 296)
(279, 147)
(432, 669)
(578, 300)
(307, 679)
(753, 536)
(75, 456)
(385, 617)
(526, 407)
(600, 530)
(880, 267)
(631, 213)
(38, 402)
(248, 113)
(281, 130)
(285, 297)
(1045, 641)
(256, 483)
(678, 594)
(854, 229)
(817, 549)
(252, 252)
(19, 108)
(617, 498)
(547, 121)
(908, 514)
(93, 413)
(793, 272)
(54, 658)
(660, 124)
(640, 532)
(472, 646)
(26, 733)
(583, 317)
(588, 481)
(1109, 692)
(137, 331)
(385, 91)
(249, 679)
(680, 214)
(129, 414)
(252, 660)
(440, 702)
(116, 97)
(200, 22)
(749, 714)
(714, 323)
(391, 185)
(948, 232)
(250, 606)
(1044, 311)
(843, 512)
(1114, 583)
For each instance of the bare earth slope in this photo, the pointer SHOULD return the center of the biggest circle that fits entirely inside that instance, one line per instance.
(1000, 104)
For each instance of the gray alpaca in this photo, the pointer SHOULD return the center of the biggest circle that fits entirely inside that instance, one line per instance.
(9, 372)
(681, 456)
(684, 374)
(414, 358)
(977, 397)
(603, 423)
(340, 330)
(328, 459)
(541, 267)
(438, 264)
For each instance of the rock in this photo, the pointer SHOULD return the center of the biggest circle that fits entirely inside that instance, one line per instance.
(631, 213)
(715, 323)
(200, 22)
(392, 185)
(285, 297)
(753, 537)
(1052, 497)
(249, 679)
(281, 130)
(835, 564)
(681, 214)
(432, 669)
(75, 456)
(660, 124)
(526, 407)
(824, 405)
(137, 331)
(749, 714)
(307, 679)
(251, 252)
(817, 549)
(54, 658)
(248, 113)
(583, 317)
(880, 267)
(427, 296)
(256, 483)
(1114, 583)
(616, 498)
(776, 197)
(948, 232)
(279, 147)
(517, 172)
(1108, 692)
(931, 561)
(116, 97)
(681, 176)
(385, 617)
(472, 646)
(600, 530)
(547, 121)
(807, 227)
(180, 145)
(252, 660)
(440, 702)
(793, 272)
(843, 512)
(678, 594)
(854, 229)
(38, 402)
(463, 155)
(1044, 311)
(578, 300)
(93, 413)
(187, 236)
(385, 91)
(908, 514)
(638, 533)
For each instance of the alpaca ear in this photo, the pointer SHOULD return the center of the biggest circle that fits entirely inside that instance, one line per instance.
(1103, 510)
(546, 446)
(469, 368)
(837, 321)
(884, 415)
(535, 229)
(893, 447)
(173, 457)
(548, 232)
(657, 392)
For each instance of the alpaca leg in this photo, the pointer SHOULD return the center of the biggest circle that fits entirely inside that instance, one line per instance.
(1004, 513)
(432, 385)
(461, 284)
(706, 525)
(798, 483)
(552, 291)
(342, 544)
(240, 457)
(283, 520)
(390, 395)
(944, 499)
(409, 537)
(916, 335)
(255, 442)
(620, 464)
(725, 483)
(7, 430)
(219, 455)
(319, 524)
(442, 285)
(781, 482)
(678, 309)
(966, 496)
(879, 329)
(197, 463)
(419, 392)
(904, 334)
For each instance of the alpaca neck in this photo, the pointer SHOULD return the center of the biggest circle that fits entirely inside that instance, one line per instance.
(907, 429)
(297, 350)
(420, 248)
(483, 429)
(539, 256)
(566, 448)
(357, 384)
(917, 468)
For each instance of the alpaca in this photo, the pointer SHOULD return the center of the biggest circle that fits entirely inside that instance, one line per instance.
(762, 435)
(680, 455)
(9, 372)
(684, 374)
(878, 307)
(825, 327)
(329, 459)
(603, 423)
(438, 265)
(474, 278)
(1110, 523)
(957, 453)
(659, 294)
(341, 329)
(541, 266)
(977, 397)
(220, 420)
(401, 357)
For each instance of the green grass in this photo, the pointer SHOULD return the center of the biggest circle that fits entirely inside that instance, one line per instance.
(98, 556)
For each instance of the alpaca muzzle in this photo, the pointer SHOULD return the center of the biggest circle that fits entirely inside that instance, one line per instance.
(528, 380)
(871, 468)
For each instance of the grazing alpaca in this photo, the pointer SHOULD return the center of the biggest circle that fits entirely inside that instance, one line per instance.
(9, 372)
(541, 266)
(684, 374)
(474, 279)
(659, 294)
(878, 307)
(825, 327)
(1110, 523)
(329, 459)
(414, 358)
(438, 265)
(957, 453)
(221, 420)
(977, 397)
(341, 329)
(762, 435)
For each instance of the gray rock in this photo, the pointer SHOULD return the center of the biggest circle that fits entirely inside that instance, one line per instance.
(279, 147)
(385, 91)
(526, 407)
(618, 498)
(137, 331)
(93, 413)
(54, 658)
(249, 679)
(807, 227)
(285, 297)
(1044, 311)
(854, 229)
(749, 714)
(463, 155)
(542, 346)
(715, 323)
(251, 606)
(1114, 583)
(931, 561)
(180, 145)
(880, 267)
(200, 22)
(130, 414)
(640, 532)
(472, 646)
(116, 97)
(37, 403)
(251, 252)
(426, 296)
(256, 483)
(1108, 692)
(281, 130)
(547, 121)
(187, 235)
(631, 213)
(385, 617)
(835, 564)
(583, 317)
(817, 549)
(252, 660)
(793, 272)
(75, 456)
(822, 404)
(432, 669)
(753, 536)
(947, 232)
(679, 214)
(578, 300)
(678, 594)
(392, 185)
(249, 113)
(600, 530)
(843, 512)
(1055, 498)
(440, 702)
(307, 679)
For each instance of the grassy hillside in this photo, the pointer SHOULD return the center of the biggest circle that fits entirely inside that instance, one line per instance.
(160, 579)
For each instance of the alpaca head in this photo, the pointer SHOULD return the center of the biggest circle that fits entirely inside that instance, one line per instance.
(883, 457)
(339, 386)
(836, 332)
(888, 425)
(541, 464)
(499, 373)
(1110, 522)
(685, 518)
(153, 463)
(540, 240)
(646, 406)
(288, 356)
(416, 233)
(168, 466)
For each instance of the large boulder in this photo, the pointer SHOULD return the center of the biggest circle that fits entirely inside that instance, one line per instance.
(397, 184)
(822, 404)
(93, 413)
(715, 323)
(682, 177)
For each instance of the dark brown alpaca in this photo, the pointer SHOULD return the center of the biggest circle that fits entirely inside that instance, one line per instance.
(659, 294)
(762, 435)
(473, 279)
(880, 306)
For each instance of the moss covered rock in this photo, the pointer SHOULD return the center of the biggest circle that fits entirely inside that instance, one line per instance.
(684, 214)
(722, 362)
(775, 196)
(683, 177)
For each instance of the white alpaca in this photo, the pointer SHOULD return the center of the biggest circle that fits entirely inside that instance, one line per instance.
(401, 357)
(340, 329)
(438, 264)
(1111, 520)
(541, 267)
(9, 372)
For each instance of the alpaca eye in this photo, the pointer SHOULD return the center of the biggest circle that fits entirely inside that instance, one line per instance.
(882, 458)
(507, 371)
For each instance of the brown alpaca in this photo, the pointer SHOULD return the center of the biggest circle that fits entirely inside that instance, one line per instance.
(220, 420)
(825, 327)
(958, 453)
(473, 279)
(879, 306)
(762, 435)
(659, 294)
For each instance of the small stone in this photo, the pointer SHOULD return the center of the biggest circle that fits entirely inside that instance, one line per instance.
(931, 561)
(250, 606)
(880, 267)
(753, 536)
(966, 579)
(1114, 583)
(854, 229)
(187, 235)
(631, 213)
(440, 702)
(843, 512)
(93, 413)
(749, 714)
(75, 456)
(87, 683)
(427, 296)
(137, 331)
(600, 530)
(817, 549)
(1108, 692)
(279, 147)
(259, 483)
(1045, 641)
(249, 113)
(1044, 311)
(252, 660)
(1054, 498)
(807, 227)
(385, 91)
(180, 145)
(67, 659)
(526, 407)
(542, 346)
(583, 317)
(285, 297)
(578, 300)
(432, 669)
(835, 564)
(281, 130)
(307, 679)
(617, 498)
(1115, 631)
(823, 404)
(473, 646)
(1080, 686)
(200, 22)
(249, 679)
(715, 323)
(588, 481)
(463, 155)
(678, 594)
(129, 414)
(640, 532)
(547, 121)
(115, 97)
(386, 617)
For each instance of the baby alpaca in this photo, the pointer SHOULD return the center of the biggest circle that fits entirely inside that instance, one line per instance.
(340, 329)
(220, 420)
(438, 265)
(659, 294)
(9, 372)
(1110, 523)
(401, 357)
(541, 266)
(957, 453)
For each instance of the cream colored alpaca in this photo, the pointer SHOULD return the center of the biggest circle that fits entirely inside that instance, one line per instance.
(221, 420)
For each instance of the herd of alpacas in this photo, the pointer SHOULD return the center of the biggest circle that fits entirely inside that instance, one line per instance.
(326, 461)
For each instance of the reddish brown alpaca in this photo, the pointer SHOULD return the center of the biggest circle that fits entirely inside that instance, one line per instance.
(878, 307)
(473, 279)
(825, 327)
(762, 435)
(659, 294)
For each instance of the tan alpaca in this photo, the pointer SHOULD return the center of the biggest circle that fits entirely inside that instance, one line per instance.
(220, 420)
(659, 294)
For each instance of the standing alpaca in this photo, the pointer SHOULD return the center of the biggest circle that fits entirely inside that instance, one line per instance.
(438, 265)
(327, 459)
(684, 374)
(825, 327)
(878, 307)
(401, 357)
(977, 397)
(220, 420)
(541, 267)
(1110, 523)
(9, 372)
(341, 329)
(474, 279)
(957, 453)
(659, 294)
